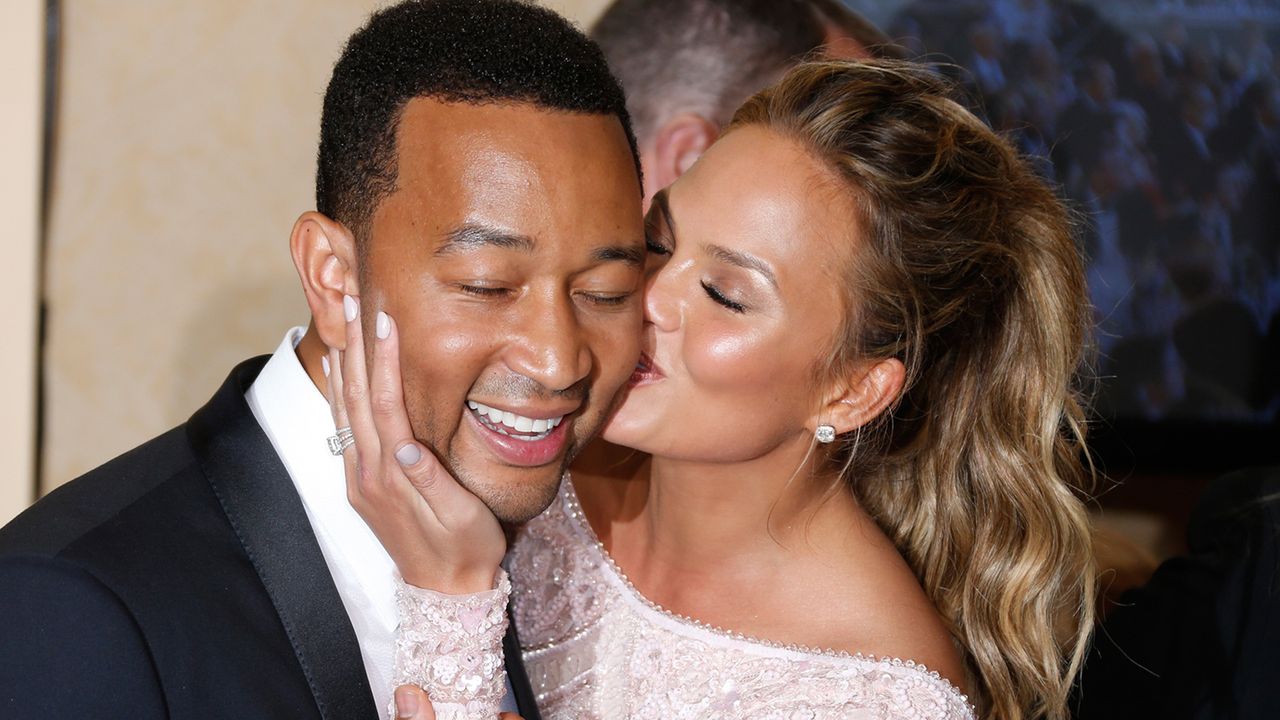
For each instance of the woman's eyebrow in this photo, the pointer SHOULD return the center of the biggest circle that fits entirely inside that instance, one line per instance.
(743, 260)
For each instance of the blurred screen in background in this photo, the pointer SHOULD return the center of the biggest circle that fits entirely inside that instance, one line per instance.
(1160, 121)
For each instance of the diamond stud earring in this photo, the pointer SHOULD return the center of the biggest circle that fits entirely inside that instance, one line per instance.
(825, 433)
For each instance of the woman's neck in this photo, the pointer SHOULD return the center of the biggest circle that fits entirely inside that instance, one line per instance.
(689, 519)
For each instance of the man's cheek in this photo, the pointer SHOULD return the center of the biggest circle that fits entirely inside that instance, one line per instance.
(619, 338)
(623, 353)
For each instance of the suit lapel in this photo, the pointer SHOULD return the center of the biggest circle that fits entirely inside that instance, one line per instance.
(516, 674)
(263, 507)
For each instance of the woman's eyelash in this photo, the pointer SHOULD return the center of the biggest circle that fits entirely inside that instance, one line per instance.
(714, 293)
(655, 247)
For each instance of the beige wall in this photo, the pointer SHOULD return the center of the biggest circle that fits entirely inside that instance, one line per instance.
(583, 12)
(187, 136)
(21, 56)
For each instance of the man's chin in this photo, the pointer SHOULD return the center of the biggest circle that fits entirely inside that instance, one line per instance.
(514, 495)
(523, 510)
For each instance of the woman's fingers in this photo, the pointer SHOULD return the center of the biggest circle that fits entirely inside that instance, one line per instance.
(332, 364)
(443, 494)
(386, 397)
(439, 534)
(355, 396)
(412, 702)
(338, 406)
(386, 392)
(372, 405)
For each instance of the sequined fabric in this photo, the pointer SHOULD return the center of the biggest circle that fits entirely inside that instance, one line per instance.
(451, 646)
(595, 648)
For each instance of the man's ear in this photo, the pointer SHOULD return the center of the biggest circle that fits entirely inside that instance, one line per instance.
(324, 253)
(679, 142)
(861, 398)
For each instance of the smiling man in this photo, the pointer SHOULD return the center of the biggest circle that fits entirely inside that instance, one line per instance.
(510, 253)
(477, 180)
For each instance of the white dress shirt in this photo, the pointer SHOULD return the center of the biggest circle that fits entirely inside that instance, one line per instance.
(296, 418)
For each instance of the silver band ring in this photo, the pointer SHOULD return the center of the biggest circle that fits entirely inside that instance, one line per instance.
(340, 441)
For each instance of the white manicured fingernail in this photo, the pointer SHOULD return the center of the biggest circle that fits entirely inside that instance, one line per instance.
(382, 326)
(408, 455)
(349, 307)
(324, 365)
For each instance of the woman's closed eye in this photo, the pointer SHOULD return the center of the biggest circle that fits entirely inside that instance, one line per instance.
(719, 297)
(655, 245)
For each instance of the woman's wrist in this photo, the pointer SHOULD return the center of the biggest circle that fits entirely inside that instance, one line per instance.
(463, 581)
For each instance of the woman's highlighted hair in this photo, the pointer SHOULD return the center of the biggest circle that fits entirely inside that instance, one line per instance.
(966, 270)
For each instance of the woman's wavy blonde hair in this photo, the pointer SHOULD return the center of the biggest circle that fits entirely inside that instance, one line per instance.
(965, 270)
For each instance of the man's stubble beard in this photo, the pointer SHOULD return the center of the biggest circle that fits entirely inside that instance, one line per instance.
(512, 503)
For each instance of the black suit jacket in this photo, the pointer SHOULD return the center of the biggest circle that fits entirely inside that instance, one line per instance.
(1201, 640)
(182, 580)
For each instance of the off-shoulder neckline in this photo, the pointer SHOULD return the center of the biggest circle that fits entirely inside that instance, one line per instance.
(582, 526)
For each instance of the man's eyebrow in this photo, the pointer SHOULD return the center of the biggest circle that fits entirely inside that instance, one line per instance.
(742, 260)
(474, 235)
(631, 255)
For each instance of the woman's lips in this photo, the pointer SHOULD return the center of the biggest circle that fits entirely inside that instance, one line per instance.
(646, 371)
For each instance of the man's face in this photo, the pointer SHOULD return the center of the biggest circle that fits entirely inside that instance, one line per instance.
(511, 256)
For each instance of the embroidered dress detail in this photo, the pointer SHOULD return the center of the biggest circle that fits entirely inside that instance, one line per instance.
(451, 647)
(595, 647)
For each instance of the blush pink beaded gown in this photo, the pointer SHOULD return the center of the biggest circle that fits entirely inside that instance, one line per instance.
(594, 647)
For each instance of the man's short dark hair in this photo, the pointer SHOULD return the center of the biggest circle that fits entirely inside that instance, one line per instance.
(709, 55)
(465, 51)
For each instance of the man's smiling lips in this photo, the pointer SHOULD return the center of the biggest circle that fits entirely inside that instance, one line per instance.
(518, 439)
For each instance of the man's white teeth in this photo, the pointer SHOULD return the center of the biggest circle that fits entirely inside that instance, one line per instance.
(519, 423)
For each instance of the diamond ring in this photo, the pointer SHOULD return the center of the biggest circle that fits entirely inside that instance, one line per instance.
(343, 439)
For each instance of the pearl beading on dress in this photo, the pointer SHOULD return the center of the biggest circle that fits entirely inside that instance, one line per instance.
(596, 647)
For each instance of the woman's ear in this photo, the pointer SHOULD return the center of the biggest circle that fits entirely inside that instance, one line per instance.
(863, 396)
(324, 253)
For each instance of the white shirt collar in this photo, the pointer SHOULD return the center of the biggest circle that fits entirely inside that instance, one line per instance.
(296, 418)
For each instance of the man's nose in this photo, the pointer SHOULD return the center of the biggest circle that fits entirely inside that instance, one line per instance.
(550, 346)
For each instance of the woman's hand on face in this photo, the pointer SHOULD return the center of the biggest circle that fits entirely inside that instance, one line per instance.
(413, 704)
(440, 535)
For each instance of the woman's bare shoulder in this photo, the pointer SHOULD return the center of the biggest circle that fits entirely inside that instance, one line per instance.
(888, 614)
